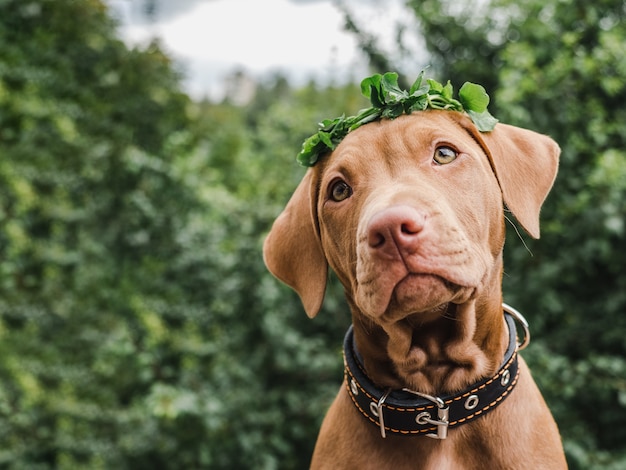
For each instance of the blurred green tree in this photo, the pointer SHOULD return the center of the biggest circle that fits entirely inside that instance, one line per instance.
(90, 210)
(139, 327)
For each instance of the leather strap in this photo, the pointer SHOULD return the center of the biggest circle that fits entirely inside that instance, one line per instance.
(410, 413)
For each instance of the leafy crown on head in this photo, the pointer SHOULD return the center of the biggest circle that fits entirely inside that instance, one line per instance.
(390, 101)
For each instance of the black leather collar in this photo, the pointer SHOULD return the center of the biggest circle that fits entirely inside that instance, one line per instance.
(411, 413)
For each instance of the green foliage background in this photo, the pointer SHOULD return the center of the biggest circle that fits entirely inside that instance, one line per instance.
(138, 325)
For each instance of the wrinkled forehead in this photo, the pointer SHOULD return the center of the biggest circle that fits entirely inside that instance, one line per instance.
(391, 142)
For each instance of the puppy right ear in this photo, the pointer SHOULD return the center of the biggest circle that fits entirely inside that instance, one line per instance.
(292, 250)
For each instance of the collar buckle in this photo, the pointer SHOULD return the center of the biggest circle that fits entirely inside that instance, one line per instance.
(443, 411)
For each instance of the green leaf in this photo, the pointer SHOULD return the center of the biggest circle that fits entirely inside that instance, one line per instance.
(325, 137)
(328, 124)
(417, 89)
(371, 88)
(484, 121)
(447, 91)
(308, 155)
(391, 90)
(419, 105)
(474, 97)
(435, 86)
(393, 111)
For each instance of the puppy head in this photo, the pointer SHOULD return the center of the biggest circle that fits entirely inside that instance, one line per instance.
(321, 221)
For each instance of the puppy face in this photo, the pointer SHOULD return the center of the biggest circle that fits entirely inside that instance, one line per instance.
(410, 215)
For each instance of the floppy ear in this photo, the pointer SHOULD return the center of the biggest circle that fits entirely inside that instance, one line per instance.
(525, 164)
(293, 252)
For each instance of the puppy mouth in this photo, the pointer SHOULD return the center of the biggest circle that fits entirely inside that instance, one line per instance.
(401, 292)
(426, 278)
(423, 292)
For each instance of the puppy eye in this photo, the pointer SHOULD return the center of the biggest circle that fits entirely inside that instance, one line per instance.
(444, 155)
(340, 190)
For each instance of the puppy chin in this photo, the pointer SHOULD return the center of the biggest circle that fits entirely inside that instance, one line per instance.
(423, 296)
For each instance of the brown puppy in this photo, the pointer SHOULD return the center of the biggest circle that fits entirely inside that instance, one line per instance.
(409, 214)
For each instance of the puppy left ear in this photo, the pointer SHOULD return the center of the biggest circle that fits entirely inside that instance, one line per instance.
(525, 164)
(293, 251)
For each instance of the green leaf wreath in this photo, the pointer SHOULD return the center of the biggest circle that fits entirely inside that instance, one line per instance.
(390, 101)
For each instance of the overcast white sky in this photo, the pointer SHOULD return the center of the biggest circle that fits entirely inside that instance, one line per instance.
(212, 38)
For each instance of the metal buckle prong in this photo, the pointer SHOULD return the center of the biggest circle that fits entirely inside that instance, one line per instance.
(378, 407)
(442, 420)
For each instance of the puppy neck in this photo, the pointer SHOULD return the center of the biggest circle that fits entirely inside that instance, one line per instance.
(465, 343)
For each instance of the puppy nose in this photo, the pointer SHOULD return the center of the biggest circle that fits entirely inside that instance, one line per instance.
(395, 229)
